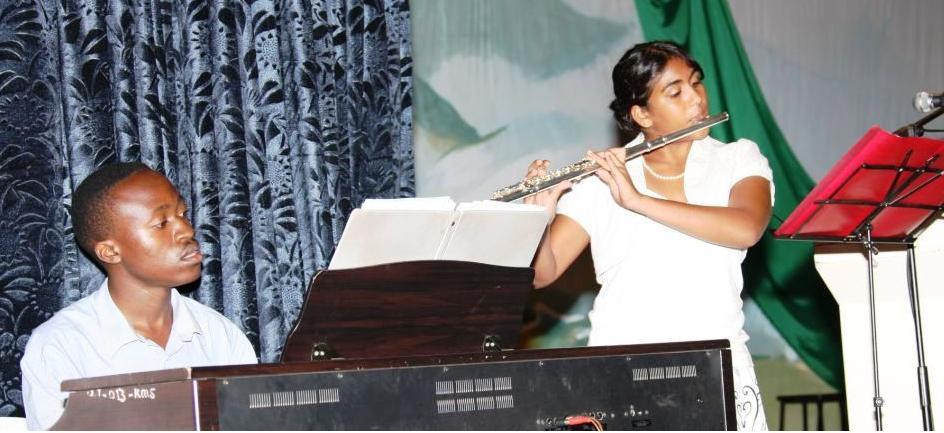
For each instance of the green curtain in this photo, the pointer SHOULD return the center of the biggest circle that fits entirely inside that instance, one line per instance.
(779, 275)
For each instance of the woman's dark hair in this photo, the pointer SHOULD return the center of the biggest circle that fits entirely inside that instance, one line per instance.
(634, 74)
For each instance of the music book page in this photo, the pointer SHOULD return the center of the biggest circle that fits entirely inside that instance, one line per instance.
(402, 230)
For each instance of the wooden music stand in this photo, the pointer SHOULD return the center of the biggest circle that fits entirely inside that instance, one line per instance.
(885, 190)
(408, 309)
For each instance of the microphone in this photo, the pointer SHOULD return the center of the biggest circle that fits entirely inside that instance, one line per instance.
(925, 102)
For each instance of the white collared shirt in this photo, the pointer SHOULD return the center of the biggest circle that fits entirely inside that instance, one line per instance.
(658, 284)
(92, 338)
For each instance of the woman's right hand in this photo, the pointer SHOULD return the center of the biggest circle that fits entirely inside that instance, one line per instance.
(563, 240)
(549, 197)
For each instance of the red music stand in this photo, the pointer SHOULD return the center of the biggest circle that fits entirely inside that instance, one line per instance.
(885, 190)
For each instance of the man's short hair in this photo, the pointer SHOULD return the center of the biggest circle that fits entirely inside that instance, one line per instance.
(91, 203)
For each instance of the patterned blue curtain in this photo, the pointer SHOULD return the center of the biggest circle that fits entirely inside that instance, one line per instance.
(275, 118)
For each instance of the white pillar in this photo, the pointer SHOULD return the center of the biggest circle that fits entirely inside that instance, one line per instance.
(844, 269)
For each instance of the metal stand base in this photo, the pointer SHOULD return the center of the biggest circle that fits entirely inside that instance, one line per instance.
(923, 385)
(924, 392)
(877, 398)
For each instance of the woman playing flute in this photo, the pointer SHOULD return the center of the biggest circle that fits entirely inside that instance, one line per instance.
(667, 231)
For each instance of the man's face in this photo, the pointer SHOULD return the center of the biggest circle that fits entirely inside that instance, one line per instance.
(154, 240)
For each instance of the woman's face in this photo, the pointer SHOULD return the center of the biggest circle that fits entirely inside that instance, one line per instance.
(677, 100)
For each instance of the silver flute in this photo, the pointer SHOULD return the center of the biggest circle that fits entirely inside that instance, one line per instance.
(585, 167)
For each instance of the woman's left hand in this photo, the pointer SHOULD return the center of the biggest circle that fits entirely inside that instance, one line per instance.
(613, 173)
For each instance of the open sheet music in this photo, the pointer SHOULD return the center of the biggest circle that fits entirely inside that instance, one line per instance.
(410, 229)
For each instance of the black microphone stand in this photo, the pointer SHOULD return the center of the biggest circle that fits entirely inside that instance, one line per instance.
(917, 129)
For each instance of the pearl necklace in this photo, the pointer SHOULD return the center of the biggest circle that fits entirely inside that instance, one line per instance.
(659, 176)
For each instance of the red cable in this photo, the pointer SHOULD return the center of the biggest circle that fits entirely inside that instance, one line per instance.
(583, 419)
